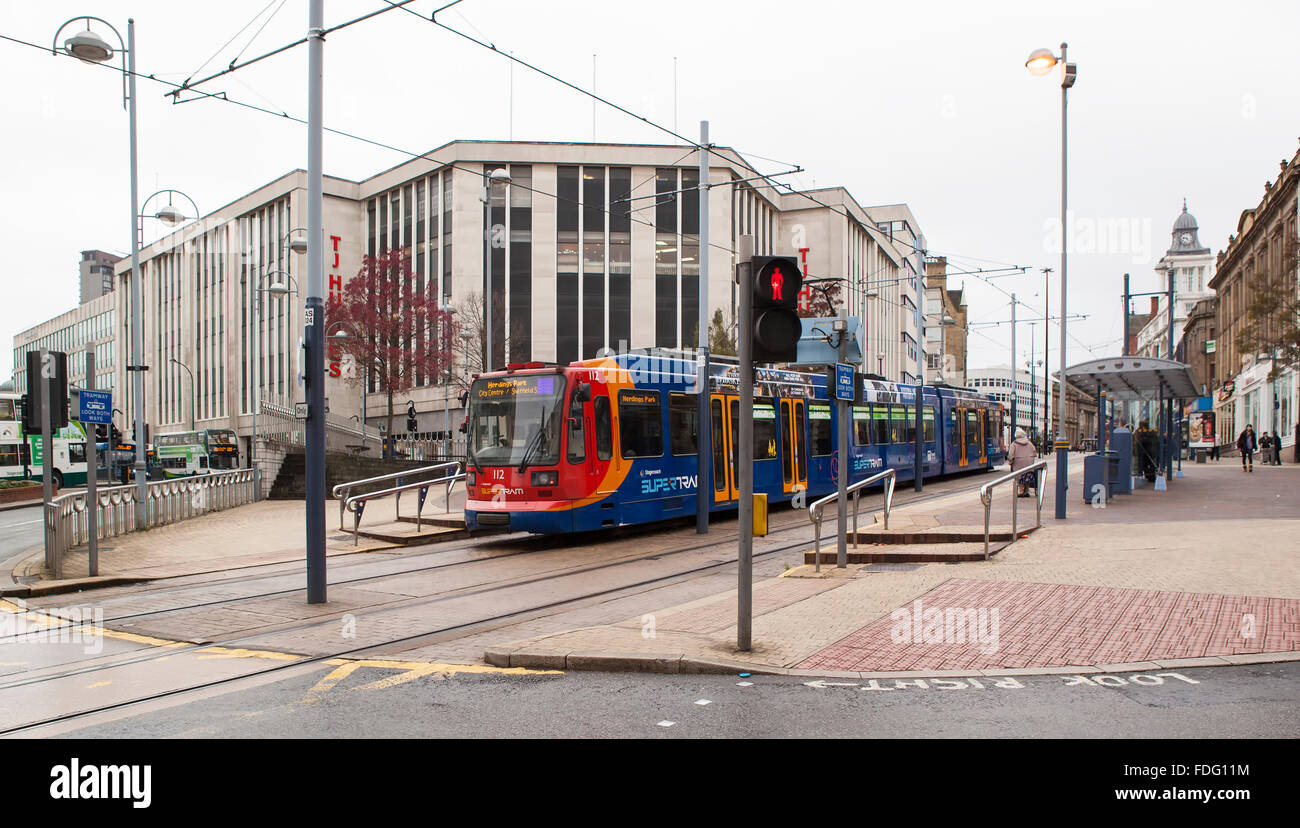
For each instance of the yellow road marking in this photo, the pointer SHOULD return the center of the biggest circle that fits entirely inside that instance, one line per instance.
(12, 663)
(9, 606)
(238, 652)
(98, 684)
(410, 670)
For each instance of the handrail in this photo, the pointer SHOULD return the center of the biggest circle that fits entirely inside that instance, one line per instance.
(815, 509)
(357, 503)
(986, 497)
(340, 491)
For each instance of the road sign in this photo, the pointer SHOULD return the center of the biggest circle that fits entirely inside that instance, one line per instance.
(95, 407)
(300, 410)
(844, 384)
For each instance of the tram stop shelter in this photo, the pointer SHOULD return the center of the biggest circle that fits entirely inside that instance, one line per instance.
(1141, 379)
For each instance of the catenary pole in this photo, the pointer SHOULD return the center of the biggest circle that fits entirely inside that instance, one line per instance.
(314, 321)
(1062, 454)
(842, 442)
(92, 475)
(703, 447)
(137, 302)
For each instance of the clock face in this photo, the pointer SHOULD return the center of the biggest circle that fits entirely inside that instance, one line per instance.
(1185, 238)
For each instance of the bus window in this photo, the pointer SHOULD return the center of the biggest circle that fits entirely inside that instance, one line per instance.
(823, 437)
(683, 420)
(76, 452)
(861, 425)
(9, 455)
(6, 410)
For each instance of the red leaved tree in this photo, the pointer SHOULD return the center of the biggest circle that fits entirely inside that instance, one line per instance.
(397, 335)
(824, 297)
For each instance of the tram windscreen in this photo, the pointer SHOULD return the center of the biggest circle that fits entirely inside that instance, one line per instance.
(515, 420)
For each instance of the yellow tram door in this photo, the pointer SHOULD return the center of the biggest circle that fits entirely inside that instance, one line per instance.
(794, 467)
(984, 430)
(724, 454)
(961, 437)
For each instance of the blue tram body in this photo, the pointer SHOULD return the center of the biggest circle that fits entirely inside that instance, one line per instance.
(611, 442)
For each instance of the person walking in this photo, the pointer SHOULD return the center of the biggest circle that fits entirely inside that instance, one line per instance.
(1265, 449)
(1146, 445)
(1022, 454)
(1277, 449)
(1247, 444)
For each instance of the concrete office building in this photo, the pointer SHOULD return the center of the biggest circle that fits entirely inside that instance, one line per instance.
(96, 274)
(591, 246)
(89, 325)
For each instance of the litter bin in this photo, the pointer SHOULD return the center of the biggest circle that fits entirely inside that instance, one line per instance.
(1095, 471)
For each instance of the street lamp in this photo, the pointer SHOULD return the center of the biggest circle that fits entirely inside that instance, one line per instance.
(89, 47)
(275, 289)
(497, 176)
(193, 398)
(1040, 62)
(169, 214)
(466, 336)
(344, 336)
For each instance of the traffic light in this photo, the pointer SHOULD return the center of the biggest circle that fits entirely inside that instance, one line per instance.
(411, 424)
(56, 374)
(775, 326)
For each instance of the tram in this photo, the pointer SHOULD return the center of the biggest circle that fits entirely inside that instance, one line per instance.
(612, 441)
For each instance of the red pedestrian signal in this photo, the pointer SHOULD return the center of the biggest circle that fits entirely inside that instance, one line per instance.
(776, 328)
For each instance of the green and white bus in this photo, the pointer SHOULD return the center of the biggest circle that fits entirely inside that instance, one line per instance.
(21, 456)
(187, 453)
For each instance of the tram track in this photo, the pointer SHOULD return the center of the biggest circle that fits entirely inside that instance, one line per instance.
(424, 636)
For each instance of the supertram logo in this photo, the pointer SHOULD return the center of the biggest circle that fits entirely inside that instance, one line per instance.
(656, 485)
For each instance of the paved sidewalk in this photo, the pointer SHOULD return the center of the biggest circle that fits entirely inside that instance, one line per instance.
(1204, 573)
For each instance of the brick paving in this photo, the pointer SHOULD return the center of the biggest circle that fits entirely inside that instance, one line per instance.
(1169, 574)
(1019, 625)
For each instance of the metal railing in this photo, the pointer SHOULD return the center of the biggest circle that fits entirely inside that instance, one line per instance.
(341, 490)
(357, 503)
(815, 509)
(986, 497)
(168, 501)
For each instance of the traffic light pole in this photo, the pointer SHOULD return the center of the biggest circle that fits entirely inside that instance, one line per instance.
(745, 451)
(842, 438)
(92, 474)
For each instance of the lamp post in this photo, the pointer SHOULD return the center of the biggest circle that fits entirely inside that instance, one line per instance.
(275, 289)
(466, 336)
(193, 398)
(497, 176)
(1040, 62)
(89, 47)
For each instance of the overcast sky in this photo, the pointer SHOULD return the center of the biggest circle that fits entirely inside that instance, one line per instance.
(926, 103)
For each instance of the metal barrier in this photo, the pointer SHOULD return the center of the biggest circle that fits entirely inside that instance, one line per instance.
(341, 490)
(815, 509)
(986, 497)
(357, 503)
(167, 501)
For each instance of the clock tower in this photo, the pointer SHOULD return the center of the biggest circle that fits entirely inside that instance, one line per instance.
(1193, 266)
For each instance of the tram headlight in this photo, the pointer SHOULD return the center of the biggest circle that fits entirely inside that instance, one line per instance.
(471, 478)
(546, 478)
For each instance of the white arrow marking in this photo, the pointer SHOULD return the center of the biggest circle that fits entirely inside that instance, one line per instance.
(822, 683)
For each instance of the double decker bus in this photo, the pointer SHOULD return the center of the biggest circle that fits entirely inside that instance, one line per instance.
(187, 453)
(22, 455)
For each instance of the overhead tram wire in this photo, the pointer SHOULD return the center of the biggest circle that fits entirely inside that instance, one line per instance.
(242, 29)
(188, 86)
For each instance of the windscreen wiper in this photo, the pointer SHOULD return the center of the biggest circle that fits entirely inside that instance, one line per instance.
(538, 439)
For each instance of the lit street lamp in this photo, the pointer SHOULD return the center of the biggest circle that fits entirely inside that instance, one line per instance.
(1040, 62)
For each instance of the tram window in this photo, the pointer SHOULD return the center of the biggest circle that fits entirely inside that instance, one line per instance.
(766, 441)
(928, 423)
(577, 451)
(800, 449)
(640, 428)
(683, 423)
(604, 432)
(823, 436)
(76, 452)
(880, 425)
(861, 425)
(972, 428)
(902, 429)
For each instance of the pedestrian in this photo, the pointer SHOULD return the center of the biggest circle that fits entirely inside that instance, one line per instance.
(1214, 451)
(1022, 454)
(1265, 448)
(1247, 444)
(1277, 449)
(1146, 445)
